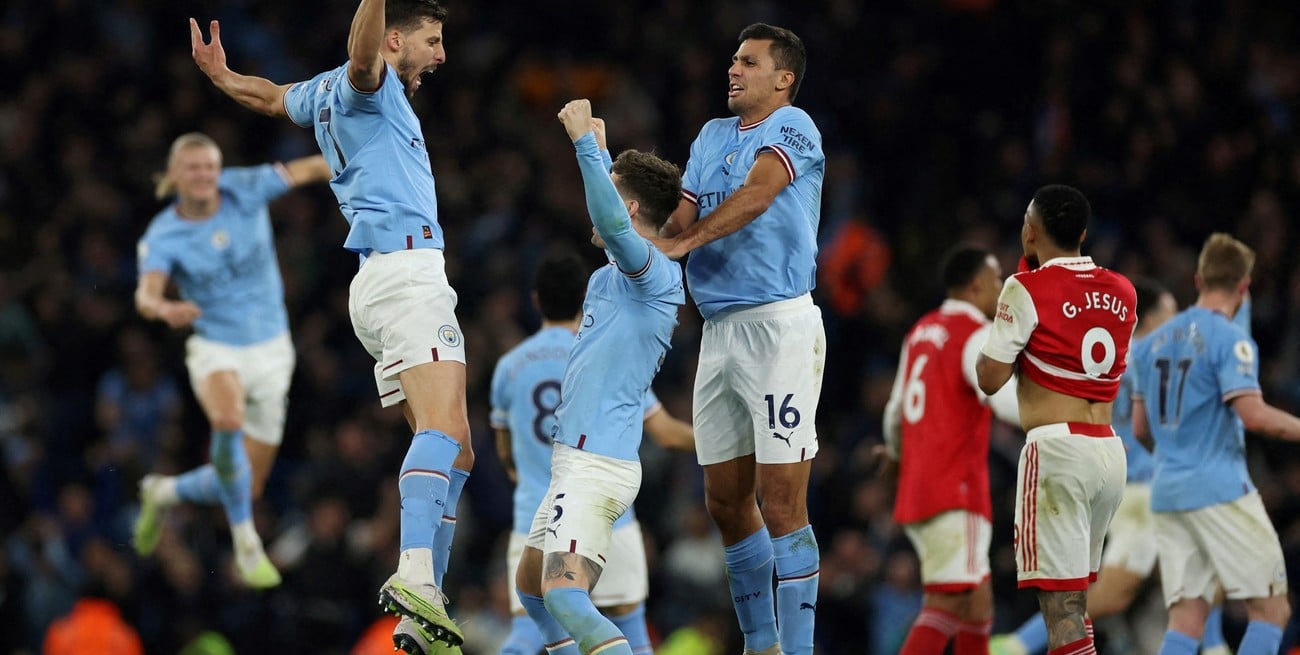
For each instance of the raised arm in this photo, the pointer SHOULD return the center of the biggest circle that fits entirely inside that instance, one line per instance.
(766, 179)
(151, 303)
(259, 94)
(608, 213)
(365, 65)
(308, 170)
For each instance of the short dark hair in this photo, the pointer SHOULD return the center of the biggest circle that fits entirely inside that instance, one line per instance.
(561, 283)
(1148, 295)
(651, 180)
(409, 15)
(787, 50)
(1065, 213)
(961, 265)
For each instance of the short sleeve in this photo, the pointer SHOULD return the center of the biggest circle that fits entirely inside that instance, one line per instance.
(1015, 320)
(262, 184)
(364, 101)
(652, 405)
(658, 277)
(499, 417)
(152, 256)
(794, 139)
(300, 101)
(691, 176)
(1237, 364)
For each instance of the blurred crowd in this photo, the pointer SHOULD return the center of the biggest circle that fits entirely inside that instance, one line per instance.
(939, 119)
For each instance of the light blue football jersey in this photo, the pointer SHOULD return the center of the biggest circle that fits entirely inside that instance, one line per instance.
(1141, 466)
(226, 263)
(775, 256)
(1187, 372)
(375, 147)
(628, 319)
(525, 395)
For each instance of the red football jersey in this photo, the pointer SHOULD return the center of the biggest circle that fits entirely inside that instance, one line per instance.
(1069, 323)
(944, 423)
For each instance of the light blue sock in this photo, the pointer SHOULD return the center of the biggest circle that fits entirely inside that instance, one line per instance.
(234, 475)
(423, 486)
(797, 567)
(524, 637)
(596, 635)
(1033, 634)
(749, 573)
(1177, 643)
(447, 528)
(633, 626)
(555, 639)
(1213, 635)
(1261, 638)
(199, 486)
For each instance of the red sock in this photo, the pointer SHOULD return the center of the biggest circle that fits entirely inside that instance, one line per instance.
(973, 638)
(1087, 628)
(1081, 647)
(931, 632)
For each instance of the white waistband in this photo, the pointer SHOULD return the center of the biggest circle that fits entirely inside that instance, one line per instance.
(1087, 430)
(766, 311)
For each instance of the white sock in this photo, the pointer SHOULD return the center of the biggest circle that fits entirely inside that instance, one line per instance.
(245, 537)
(416, 565)
(164, 491)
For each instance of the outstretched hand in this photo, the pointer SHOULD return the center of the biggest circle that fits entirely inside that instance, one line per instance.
(211, 58)
(576, 117)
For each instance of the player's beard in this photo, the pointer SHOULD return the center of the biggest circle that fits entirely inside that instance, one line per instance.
(409, 73)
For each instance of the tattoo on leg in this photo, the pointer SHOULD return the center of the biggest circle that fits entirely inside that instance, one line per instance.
(1063, 612)
(557, 568)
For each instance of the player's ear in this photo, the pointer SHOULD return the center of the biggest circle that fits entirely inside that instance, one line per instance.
(1196, 279)
(785, 80)
(537, 303)
(1083, 237)
(394, 40)
(632, 208)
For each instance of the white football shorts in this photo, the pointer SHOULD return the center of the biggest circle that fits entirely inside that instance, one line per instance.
(404, 312)
(588, 493)
(758, 383)
(624, 582)
(1229, 544)
(1070, 483)
(954, 550)
(264, 369)
(1131, 541)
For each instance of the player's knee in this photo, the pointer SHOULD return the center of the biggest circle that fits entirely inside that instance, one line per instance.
(728, 512)
(784, 515)
(1274, 609)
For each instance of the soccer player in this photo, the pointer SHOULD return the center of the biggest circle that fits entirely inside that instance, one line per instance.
(215, 241)
(1197, 387)
(401, 305)
(749, 214)
(937, 429)
(1129, 557)
(525, 395)
(1066, 325)
(628, 318)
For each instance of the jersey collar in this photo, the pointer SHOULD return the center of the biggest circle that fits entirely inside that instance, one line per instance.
(1082, 263)
(740, 125)
(955, 306)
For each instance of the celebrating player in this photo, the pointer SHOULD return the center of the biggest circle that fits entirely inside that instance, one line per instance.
(937, 429)
(628, 318)
(1197, 387)
(1067, 326)
(525, 395)
(401, 305)
(216, 242)
(749, 214)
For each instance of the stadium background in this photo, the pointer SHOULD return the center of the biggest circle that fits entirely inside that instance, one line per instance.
(939, 120)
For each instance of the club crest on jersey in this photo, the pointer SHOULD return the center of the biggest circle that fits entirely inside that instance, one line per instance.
(220, 239)
(449, 335)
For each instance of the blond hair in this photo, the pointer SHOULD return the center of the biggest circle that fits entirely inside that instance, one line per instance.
(1224, 262)
(164, 185)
